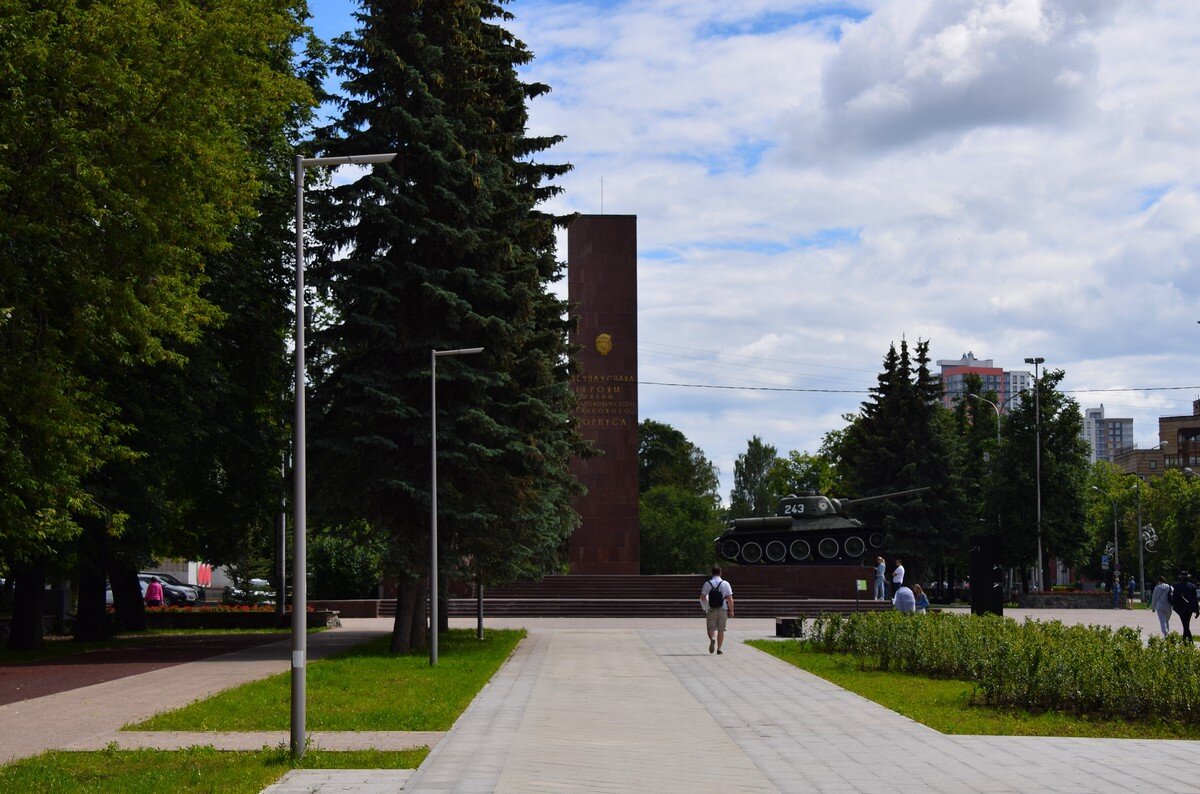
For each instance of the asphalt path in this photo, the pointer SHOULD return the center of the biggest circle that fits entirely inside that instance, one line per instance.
(61, 674)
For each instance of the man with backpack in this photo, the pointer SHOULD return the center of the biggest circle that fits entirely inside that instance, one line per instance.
(716, 597)
(1185, 603)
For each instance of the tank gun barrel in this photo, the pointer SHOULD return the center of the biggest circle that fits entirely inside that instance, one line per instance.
(877, 497)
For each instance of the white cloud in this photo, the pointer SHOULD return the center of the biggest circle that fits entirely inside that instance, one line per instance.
(1015, 178)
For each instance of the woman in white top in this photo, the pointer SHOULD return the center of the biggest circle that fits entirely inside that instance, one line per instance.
(1160, 602)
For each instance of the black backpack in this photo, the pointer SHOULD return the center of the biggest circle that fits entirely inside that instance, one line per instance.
(716, 599)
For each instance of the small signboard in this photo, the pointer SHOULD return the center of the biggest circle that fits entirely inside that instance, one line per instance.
(1104, 562)
(862, 585)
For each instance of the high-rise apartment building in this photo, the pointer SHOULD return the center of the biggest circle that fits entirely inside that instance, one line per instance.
(1004, 383)
(1106, 436)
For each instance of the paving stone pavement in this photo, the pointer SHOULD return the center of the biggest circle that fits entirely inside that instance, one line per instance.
(645, 709)
(328, 781)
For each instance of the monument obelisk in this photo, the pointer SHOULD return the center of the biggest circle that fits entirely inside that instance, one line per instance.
(602, 293)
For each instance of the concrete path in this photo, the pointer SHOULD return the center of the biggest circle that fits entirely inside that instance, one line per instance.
(648, 709)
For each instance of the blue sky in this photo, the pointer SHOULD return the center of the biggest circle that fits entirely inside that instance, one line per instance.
(816, 180)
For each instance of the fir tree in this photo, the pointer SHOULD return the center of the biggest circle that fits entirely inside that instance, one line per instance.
(442, 249)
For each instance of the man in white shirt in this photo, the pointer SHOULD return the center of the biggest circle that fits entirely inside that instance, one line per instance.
(716, 598)
(897, 577)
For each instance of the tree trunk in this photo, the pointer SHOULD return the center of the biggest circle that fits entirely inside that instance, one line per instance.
(420, 622)
(444, 604)
(128, 604)
(28, 600)
(91, 619)
(402, 628)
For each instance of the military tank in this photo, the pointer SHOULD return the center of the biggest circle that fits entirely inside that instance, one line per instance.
(809, 529)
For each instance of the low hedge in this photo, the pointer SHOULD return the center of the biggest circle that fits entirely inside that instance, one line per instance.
(231, 618)
(1035, 665)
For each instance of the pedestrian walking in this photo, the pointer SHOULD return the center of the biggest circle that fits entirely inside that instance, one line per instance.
(1160, 602)
(897, 577)
(922, 600)
(716, 598)
(1116, 593)
(154, 593)
(1183, 601)
(880, 579)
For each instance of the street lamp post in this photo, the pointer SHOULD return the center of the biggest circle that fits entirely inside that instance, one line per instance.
(433, 522)
(1137, 484)
(299, 469)
(1116, 548)
(1037, 409)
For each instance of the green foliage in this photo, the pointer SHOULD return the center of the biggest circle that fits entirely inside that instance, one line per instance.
(344, 563)
(445, 248)
(751, 494)
(800, 472)
(666, 457)
(1035, 665)
(195, 769)
(363, 688)
(1064, 471)
(124, 165)
(946, 705)
(903, 439)
(678, 528)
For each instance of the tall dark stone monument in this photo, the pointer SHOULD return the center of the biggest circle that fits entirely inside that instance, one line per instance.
(602, 292)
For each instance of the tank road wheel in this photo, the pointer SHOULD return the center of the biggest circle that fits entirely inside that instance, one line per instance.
(854, 547)
(876, 540)
(828, 548)
(730, 549)
(800, 550)
(776, 551)
(751, 552)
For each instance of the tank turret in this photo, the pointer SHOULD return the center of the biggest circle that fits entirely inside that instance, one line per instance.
(809, 529)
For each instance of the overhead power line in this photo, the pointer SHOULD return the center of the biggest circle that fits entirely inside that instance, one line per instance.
(867, 391)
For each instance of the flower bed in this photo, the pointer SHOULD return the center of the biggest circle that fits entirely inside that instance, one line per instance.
(1040, 666)
(1065, 600)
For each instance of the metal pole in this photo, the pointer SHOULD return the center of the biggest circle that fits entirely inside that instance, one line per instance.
(479, 606)
(299, 507)
(299, 472)
(1116, 547)
(1037, 408)
(1141, 542)
(433, 530)
(281, 550)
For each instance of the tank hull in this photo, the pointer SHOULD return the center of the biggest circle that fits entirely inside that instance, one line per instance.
(854, 545)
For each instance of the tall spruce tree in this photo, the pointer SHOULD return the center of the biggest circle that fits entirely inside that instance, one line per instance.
(442, 249)
(901, 440)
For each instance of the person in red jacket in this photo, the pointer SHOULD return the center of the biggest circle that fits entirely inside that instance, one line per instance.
(154, 593)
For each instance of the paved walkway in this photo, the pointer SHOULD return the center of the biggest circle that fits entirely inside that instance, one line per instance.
(633, 705)
(645, 709)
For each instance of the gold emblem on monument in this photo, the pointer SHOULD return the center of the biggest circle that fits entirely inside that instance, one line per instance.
(604, 344)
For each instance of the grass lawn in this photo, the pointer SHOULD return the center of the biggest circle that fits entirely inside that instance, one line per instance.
(364, 688)
(199, 769)
(945, 705)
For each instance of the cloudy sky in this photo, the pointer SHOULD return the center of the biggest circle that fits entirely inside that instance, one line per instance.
(816, 180)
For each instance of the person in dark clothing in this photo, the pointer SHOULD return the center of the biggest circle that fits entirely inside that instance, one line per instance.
(1185, 603)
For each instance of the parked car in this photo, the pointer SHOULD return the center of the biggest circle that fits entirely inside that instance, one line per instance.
(173, 595)
(166, 579)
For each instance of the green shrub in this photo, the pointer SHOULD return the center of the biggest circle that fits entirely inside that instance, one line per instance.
(1036, 665)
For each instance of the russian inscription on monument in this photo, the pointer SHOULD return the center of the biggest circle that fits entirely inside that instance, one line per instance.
(602, 292)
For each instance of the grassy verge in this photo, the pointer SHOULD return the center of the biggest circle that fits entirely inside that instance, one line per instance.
(365, 688)
(945, 704)
(199, 769)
